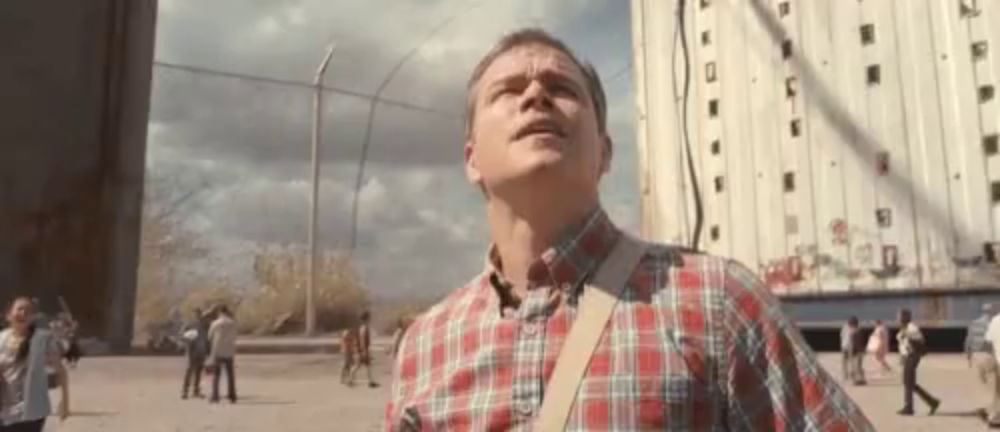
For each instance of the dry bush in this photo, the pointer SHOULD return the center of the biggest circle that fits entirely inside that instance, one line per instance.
(283, 275)
(280, 271)
(404, 314)
(164, 246)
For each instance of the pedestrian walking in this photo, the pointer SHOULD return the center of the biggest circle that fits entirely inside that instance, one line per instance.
(987, 366)
(912, 347)
(363, 349)
(349, 347)
(878, 345)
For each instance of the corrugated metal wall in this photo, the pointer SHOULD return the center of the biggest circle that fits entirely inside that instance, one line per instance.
(839, 145)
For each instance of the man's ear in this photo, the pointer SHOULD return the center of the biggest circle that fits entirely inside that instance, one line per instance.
(471, 168)
(607, 153)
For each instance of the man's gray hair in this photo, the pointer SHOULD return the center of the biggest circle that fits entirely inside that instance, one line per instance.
(532, 36)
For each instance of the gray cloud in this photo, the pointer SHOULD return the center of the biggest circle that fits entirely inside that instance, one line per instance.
(247, 143)
(264, 123)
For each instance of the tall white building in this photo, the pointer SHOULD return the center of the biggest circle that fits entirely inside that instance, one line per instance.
(839, 145)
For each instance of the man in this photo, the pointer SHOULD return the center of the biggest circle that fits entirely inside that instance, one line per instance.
(852, 351)
(988, 366)
(197, 348)
(222, 334)
(694, 343)
(349, 346)
(363, 349)
(978, 349)
(912, 346)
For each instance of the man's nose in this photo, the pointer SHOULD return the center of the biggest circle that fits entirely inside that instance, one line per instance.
(537, 96)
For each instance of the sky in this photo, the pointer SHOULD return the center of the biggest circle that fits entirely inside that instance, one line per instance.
(242, 147)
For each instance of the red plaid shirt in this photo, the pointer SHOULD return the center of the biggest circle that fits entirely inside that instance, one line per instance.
(696, 343)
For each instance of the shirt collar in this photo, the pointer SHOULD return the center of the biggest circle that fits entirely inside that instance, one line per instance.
(565, 265)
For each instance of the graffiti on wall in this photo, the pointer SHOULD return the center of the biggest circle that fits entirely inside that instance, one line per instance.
(784, 272)
(870, 260)
(839, 231)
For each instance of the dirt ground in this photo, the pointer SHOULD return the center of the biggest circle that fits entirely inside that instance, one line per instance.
(276, 393)
(302, 393)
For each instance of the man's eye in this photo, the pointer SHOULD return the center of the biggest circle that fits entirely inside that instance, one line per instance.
(504, 92)
(563, 89)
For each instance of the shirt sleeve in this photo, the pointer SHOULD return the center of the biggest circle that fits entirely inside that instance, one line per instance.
(53, 352)
(774, 380)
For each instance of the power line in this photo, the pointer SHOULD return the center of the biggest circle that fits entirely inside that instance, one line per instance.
(300, 84)
(362, 162)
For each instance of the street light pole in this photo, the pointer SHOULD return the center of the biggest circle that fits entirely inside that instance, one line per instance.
(314, 199)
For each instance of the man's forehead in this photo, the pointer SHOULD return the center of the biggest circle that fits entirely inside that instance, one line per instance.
(534, 58)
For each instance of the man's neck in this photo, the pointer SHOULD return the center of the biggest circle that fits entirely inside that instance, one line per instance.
(523, 231)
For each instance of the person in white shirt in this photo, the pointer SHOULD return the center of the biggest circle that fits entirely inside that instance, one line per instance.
(993, 338)
(878, 345)
(911, 348)
(223, 334)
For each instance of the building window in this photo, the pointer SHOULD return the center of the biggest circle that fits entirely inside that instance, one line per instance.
(890, 257)
(991, 251)
(720, 183)
(786, 49)
(791, 87)
(705, 3)
(706, 37)
(986, 93)
(884, 217)
(882, 163)
(874, 74)
(789, 181)
(969, 8)
(995, 192)
(868, 34)
(713, 108)
(979, 50)
(784, 9)
(795, 127)
(710, 71)
(714, 232)
(716, 147)
(991, 143)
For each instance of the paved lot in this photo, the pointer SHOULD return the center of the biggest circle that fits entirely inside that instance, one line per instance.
(301, 393)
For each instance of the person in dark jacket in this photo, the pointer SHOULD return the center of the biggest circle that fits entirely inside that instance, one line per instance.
(196, 336)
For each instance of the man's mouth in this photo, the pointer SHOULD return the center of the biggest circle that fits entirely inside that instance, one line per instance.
(540, 127)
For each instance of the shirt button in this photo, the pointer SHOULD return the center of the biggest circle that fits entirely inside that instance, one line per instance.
(525, 408)
(530, 329)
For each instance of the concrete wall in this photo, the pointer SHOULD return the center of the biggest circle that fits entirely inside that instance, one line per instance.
(74, 98)
(788, 163)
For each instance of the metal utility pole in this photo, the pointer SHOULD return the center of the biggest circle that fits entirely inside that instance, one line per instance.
(314, 199)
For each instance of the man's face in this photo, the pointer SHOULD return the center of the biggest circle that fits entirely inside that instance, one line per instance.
(533, 114)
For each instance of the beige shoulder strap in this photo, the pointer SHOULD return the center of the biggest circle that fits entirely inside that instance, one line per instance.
(593, 313)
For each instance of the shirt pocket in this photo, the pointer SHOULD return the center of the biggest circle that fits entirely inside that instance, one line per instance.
(621, 402)
(639, 402)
